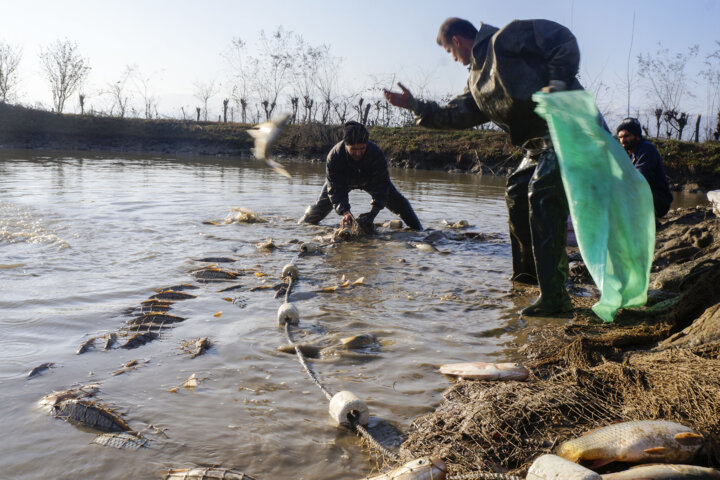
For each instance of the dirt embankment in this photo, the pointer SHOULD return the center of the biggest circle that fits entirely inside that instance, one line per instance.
(661, 361)
(689, 165)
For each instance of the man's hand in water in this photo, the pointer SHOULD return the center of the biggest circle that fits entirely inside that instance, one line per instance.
(346, 220)
(402, 99)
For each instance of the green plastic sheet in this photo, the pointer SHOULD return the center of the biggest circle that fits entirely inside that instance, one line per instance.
(610, 201)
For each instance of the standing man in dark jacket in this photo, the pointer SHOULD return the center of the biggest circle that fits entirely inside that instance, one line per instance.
(357, 163)
(507, 66)
(647, 160)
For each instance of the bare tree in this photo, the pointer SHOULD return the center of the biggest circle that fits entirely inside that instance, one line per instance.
(204, 91)
(118, 92)
(65, 69)
(711, 74)
(9, 61)
(143, 86)
(241, 66)
(325, 82)
(272, 68)
(667, 81)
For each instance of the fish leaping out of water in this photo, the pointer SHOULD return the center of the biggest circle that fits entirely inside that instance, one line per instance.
(266, 135)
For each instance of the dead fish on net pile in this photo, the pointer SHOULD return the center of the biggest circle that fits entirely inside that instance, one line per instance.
(40, 368)
(197, 346)
(140, 339)
(205, 474)
(213, 274)
(266, 245)
(425, 468)
(310, 351)
(635, 442)
(172, 295)
(122, 440)
(662, 471)
(51, 400)
(486, 371)
(86, 346)
(91, 415)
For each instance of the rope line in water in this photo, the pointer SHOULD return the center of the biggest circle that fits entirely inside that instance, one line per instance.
(304, 363)
(371, 440)
(484, 476)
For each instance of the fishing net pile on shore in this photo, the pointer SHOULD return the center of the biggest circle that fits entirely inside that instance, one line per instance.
(658, 362)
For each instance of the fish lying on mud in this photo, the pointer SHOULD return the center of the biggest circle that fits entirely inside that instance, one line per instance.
(40, 368)
(662, 471)
(425, 468)
(211, 473)
(486, 371)
(635, 442)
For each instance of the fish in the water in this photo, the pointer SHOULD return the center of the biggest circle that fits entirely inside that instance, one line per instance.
(86, 346)
(172, 295)
(426, 247)
(197, 346)
(310, 351)
(205, 473)
(486, 371)
(425, 468)
(40, 368)
(359, 341)
(635, 442)
(214, 274)
(661, 471)
(91, 415)
(266, 135)
(51, 400)
(126, 440)
(140, 339)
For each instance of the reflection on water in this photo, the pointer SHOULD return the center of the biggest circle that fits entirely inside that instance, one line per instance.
(86, 239)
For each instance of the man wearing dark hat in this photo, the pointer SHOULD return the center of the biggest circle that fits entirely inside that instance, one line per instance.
(357, 163)
(506, 67)
(647, 160)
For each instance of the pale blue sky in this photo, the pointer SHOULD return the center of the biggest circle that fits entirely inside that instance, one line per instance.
(179, 43)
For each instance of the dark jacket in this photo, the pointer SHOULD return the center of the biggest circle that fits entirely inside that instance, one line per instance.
(370, 174)
(647, 160)
(508, 66)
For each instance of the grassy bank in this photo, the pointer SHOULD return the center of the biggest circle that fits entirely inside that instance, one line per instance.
(475, 151)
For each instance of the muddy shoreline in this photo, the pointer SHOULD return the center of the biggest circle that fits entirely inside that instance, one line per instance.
(691, 167)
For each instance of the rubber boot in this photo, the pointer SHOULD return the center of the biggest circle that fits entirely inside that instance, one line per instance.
(516, 198)
(548, 227)
(400, 206)
(315, 213)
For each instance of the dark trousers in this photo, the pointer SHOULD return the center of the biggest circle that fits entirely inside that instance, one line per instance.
(538, 212)
(396, 203)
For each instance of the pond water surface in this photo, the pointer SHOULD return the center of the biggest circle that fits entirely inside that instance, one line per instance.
(84, 239)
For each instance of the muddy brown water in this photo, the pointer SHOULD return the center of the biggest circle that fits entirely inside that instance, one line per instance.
(84, 239)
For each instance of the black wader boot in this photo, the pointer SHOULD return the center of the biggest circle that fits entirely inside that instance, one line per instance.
(516, 198)
(548, 228)
(399, 205)
(315, 213)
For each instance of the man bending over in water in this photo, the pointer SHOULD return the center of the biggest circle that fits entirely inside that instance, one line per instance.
(357, 163)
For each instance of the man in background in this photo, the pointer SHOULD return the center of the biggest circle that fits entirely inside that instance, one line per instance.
(647, 160)
(357, 163)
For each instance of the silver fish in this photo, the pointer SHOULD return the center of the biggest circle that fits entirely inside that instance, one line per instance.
(424, 468)
(40, 368)
(637, 441)
(486, 371)
(664, 472)
(266, 135)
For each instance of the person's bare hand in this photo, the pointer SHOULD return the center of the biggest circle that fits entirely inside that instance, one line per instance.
(401, 99)
(346, 220)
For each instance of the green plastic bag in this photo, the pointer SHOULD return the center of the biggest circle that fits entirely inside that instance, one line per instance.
(610, 201)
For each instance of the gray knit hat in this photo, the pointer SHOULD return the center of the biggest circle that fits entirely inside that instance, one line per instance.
(632, 125)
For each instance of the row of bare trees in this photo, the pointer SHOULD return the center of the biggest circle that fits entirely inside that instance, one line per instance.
(284, 72)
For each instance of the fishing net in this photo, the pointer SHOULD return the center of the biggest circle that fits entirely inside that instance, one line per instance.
(658, 362)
